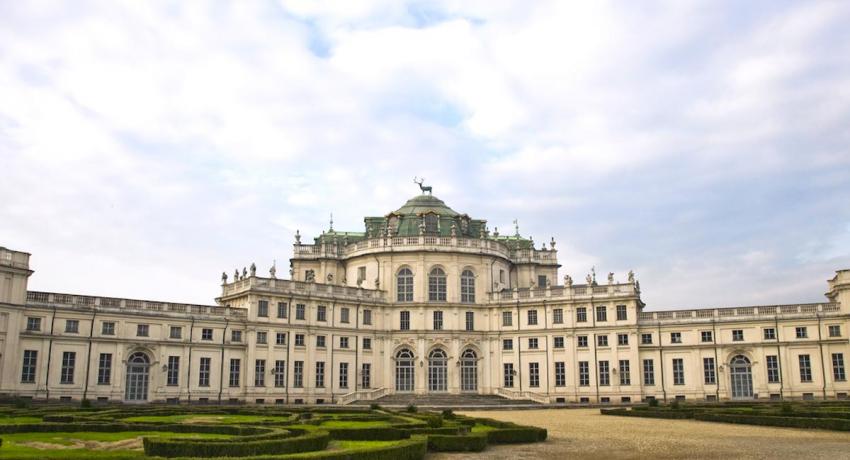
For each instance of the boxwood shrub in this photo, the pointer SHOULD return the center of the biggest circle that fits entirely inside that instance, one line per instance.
(475, 442)
(369, 434)
(516, 434)
(206, 448)
(793, 422)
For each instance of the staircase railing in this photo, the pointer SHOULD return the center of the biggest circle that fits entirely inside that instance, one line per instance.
(514, 394)
(358, 395)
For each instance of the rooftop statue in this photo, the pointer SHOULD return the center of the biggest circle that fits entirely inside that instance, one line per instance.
(589, 280)
(273, 270)
(223, 278)
(610, 277)
(631, 276)
(421, 187)
(568, 280)
(253, 269)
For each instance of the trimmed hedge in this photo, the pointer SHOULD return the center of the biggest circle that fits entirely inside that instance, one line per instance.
(307, 442)
(234, 430)
(516, 434)
(668, 414)
(369, 434)
(792, 422)
(475, 442)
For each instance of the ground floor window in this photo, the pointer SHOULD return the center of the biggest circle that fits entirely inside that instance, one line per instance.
(509, 375)
(404, 370)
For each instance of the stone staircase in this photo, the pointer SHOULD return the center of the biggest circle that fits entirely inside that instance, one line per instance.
(448, 401)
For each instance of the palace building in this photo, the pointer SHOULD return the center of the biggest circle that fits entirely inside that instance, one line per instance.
(423, 301)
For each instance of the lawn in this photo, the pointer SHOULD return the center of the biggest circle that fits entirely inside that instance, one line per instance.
(355, 424)
(225, 419)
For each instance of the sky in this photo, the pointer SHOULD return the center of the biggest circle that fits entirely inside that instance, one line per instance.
(145, 147)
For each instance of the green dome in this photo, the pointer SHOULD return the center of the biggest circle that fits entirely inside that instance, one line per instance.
(424, 203)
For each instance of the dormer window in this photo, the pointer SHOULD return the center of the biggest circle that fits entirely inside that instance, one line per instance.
(431, 224)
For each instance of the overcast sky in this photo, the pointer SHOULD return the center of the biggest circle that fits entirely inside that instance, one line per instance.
(146, 146)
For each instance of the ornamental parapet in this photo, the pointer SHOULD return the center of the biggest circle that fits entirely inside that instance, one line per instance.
(807, 310)
(578, 291)
(301, 288)
(111, 304)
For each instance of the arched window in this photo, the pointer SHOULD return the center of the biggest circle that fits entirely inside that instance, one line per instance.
(404, 285)
(467, 287)
(468, 371)
(137, 377)
(431, 226)
(741, 376)
(437, 361)
(404, 370)
(437, 285)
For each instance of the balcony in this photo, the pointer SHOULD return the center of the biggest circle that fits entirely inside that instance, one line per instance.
(110, 304)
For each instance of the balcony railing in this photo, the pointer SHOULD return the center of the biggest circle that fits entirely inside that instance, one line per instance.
(561, 292)
(111, 303)
(302, 288)
(738, 312)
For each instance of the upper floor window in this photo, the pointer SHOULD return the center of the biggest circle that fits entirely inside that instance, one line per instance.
(601, 314)
(176, 332)
(437, 285)
(107, 328)
(467, 287)
(769, 333)
(706, 336)
(263, 308)
(622, 314)
(470, 321)
(581, 315)
(738, 335)
(321, 313)
(438, 320)
(835, 331)
(404, 285)
(542, 282)
(404, 320)
(343, 315)
(282, 308)
(675, 337)
(142, 330)
(431, 224)
(532, 317)
(33, 324)
(802, 332)
(361, 275)
(507, 318)
(558, 316)
(646, 339)
(300, 311)
(502, 276)
(367, 317)
(72, 326)
(206, 334)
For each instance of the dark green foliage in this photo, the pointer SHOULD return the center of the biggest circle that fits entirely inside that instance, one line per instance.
(787, 408)
(85, 404)
(516, 434)
(653, 402)
(456, 443)
(793, 422)
(675, 404)
(411, 408)
(374, 406)
(307, 442)
(369, 434)
(448, 414)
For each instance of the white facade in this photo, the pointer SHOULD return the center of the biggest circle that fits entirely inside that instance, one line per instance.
(425, 300)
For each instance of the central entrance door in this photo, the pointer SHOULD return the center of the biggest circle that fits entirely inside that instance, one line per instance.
(138, 366)
(741, 375)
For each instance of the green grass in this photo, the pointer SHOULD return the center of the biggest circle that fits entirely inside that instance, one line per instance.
(14, 447)
(6, 420)
(350, 424)
(479, 428)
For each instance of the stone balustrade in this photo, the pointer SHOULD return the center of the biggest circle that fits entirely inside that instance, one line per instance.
(110, 303)
(678, 316)
(577, 291)
(282, 286)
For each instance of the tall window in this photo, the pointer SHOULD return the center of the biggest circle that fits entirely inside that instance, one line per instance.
(802, 332)
(769, 333)
(107, 328)
(142, 330)
(581, 315)
(361, 275)
(69, 360)
(404, 370)
(509, 375)
(279, 373)
(235, 371)
(367, 343)
(343, 375)
(437, 285)
(542, 282)
(204, 372)
(438, 320)
(343, 342)
(343, 315)
(534, 375)
(470, 321)
(104, 369)
(172, 374)
(72, 326)
(300, 311)
(33, 324)
(678, 371)
(282, 308)
(772, 368)
(367, 317)
(625, 372)
(437, 370)
(404, 320)
(279, 338)
(560, 374)
(321, 313)
(838, 367)
(648, 372)
(709, 371)
(805, 368)
(320, 374)
(507, 319)
(558, 316)
(366, 375)
(468, 370)
(601, 314)
(532, 317)
(298, 374)
(263, 308)
(404, 285)
(583, 373)
(467, 287)
(604, 374)
(622, 314)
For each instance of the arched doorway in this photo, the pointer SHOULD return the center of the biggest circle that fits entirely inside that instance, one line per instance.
(437, 361)
(741, 376)
(468, 371)
(138, 368)
(404, 370)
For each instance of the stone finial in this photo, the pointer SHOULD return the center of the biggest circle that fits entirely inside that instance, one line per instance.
(589, 279)
(552, 243)
(631, 276)
(223, 277)
(236, 275)
(253, 269)
(568, 280)
(637, 285)
(495, 231)
(297, 237)
(244, 272)
(273, 270)
(610, 277)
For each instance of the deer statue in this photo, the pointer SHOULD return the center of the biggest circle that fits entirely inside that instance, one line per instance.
(419, 182)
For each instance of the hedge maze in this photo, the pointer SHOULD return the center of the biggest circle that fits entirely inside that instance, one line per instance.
(245, 432)
(832, 415)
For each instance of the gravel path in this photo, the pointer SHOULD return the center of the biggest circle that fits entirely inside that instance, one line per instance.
(584, 433)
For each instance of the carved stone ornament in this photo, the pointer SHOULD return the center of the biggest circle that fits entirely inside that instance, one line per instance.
(310, 276)
(631, 276)
(610, 277)
(568, 280)
(223, 278)
(589, 280)
(253, 269)
(273, 272)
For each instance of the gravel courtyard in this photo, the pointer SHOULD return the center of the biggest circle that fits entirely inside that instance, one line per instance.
(584, 433)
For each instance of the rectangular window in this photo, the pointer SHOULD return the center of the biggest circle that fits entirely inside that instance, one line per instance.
(343, 342)
(622, 313)
(604, 374)
(838, 367)
(404, 320)
(298, 374)
(321, 313)
(204, 372)
(467, 287)
(263, 308)
(175, 332)
(558, 316)
(769, 333)
(366, 375)
(581, 315)
(343, 375)
(533, 375)
(260, 373)
(300, 311)
(558, 342)
(678, 371)
(33, 324)
(361, 275)
(509, 375)
(772, 368)
(601, 340)
(367, 343)
(737, 335)
(343, 315)
(560, 374)
(470, 321)
(583, 373)
(675, 337)
(706, 336)
(235, 370)
(206, 334)
(438, 320)
(622, 340)
(279, 373)
(802, 332)
(648, 372)
(172, 374)
(805, 368)
(646, 339)
(532, 343)
(104, 369)
(299, 340)
(262, 337)
(625, 372)
(507, 344)
(107, 328)
(367, 317)
(601, 314)
(542, 282)
(502, 276)
(282, 309)
(709, 371)
(72, 326)
(320, 374)
(581, 341)
(507, 319)
(142, 330)
(69, 361)
(835, 330)
(532, 317)
(280, 338)
(320, 341)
